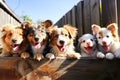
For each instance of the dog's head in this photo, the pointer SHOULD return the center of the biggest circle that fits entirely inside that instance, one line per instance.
(12, 36)
(63, 37)
(106, 36)
(87, 43)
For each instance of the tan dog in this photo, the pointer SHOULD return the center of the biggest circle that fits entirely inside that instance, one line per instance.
(61, 41)
(11, 40)
(87, 45)
(108, 41)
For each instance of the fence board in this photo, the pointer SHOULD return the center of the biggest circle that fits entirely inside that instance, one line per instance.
(87, 17)
(118, 14)
(69, 18)
(73, 15)
(109, 12)
(95, 11)
(79, 16)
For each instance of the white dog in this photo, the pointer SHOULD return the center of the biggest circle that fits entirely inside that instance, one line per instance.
(87, 45)
(108, 41)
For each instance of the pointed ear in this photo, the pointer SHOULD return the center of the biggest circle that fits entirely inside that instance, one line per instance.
(95, 28)
(72, 31)
(48, 23)
(114, 29)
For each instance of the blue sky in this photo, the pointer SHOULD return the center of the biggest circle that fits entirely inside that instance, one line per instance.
(41, 9)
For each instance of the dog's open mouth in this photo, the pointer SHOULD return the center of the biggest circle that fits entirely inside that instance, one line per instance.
(89, 50)
(61, 48)
(37, 45)
(105, 48)
(15, 47)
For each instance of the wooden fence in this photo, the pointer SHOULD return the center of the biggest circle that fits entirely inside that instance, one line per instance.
(7, 15)
(88, 12)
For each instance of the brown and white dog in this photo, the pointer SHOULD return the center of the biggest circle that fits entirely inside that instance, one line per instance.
(108, 41)
(37, 38)
(61, 41)
(12, 38)
(87, 45)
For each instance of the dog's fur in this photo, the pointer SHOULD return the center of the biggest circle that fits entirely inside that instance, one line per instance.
(37, 39)
(108, 40)
(87, 45)
(61, 41)
(12, 38)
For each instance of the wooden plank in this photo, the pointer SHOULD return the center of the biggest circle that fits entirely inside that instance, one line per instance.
(95, 11)
(79, 17)
(87, 17)
(118, 14)
(73, 15)
(12, 68)
(69, 18)
(109, 12)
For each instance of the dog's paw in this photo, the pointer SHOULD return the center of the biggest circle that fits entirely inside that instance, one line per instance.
(100, 55)
(24, 55)
(38, 56)
(117, 54)
(50, 56)
(109, 56)
(77, 55)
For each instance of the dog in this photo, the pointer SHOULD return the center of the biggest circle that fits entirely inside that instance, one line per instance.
(108, 41)
(87, 45)
(61, 42)
(37, 39)
(11, 38)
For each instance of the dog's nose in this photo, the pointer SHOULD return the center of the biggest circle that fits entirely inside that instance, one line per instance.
(104, 43)
(36, 39)
(88, 43)
(62, 42)
(14, 40)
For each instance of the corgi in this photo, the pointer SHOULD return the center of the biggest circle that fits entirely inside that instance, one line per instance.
(87, 45)
(12, 37)
(108, 41)
(62, 42)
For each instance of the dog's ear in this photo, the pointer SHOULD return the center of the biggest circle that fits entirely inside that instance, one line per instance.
(48, 23)
(95, 28)
(71, 30)
(114, 30)
(26, 24)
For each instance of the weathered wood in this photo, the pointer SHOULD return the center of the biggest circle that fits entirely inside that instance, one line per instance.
(79, 22)
(12, 68)
(73, 15)
(109, 12)
(95, 11)
(118, 13)
(87, 16)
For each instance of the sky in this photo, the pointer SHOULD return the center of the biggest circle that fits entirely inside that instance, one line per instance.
(41, 9)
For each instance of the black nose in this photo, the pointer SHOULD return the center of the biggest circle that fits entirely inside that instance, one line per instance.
(14, 40)
(36, 39)
(62, 42)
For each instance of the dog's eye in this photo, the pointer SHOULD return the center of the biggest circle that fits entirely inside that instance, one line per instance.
(107, 36)
(21, 34)
(99, 37)
(10, 34)
(65, 34)
(91, 39)
(83, 41)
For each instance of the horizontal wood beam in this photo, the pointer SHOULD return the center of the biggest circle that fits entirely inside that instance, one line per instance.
(12, 68)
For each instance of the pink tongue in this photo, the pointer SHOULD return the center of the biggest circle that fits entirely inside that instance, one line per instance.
(15, 48)
(62, 48)
(90, 51)
(37, 46)
(105, 48)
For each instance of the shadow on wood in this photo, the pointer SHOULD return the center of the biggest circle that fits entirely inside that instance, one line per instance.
(15, 68)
